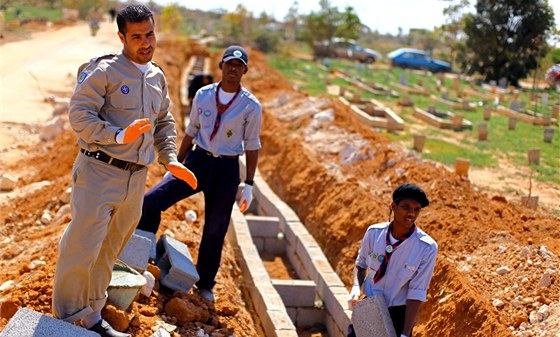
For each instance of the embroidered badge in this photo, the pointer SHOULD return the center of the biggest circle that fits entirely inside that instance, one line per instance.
(373, 256)
(125, 89)
(207, 113)
(229, 133)
(82, 77)
(381, 258)
(237, 53)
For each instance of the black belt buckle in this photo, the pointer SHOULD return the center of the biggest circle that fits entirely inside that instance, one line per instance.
(122, 164)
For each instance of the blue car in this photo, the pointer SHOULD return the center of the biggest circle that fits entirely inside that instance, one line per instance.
(417, 59)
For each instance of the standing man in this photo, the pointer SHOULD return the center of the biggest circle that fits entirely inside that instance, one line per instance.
(397, 259)
(120, 111)
(225, 121)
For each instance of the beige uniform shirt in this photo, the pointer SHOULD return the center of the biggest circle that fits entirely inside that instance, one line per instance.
(111, 93)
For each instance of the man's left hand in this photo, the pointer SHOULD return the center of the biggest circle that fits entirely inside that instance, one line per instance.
(181, 172)
(246, 198)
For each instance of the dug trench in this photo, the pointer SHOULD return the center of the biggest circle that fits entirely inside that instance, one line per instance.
(337, 175)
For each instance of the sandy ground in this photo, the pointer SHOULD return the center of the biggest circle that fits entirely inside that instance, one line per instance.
(493, 276)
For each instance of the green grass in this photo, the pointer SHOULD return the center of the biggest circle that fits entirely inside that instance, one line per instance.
(28, 13)
(445, 145)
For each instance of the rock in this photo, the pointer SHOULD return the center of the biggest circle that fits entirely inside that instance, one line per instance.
(46, 218)
(65, 197)
(161, 333)
(7, 285)
(36, 263)
(546, 280)
(7, 182)
(543, 312)
(502, 249)
(62, 215)
(150, 282)
(534, 317)
(543, 251)
(518, 319)
(503, 270)
(498, 303)
(525, 252)
(163, 325)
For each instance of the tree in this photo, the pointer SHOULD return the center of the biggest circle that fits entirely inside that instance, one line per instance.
(172, 18)
(452, 30)
(329, 23)
(506, 38)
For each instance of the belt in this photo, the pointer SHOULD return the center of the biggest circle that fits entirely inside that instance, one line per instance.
(198, 148)
(123, 165)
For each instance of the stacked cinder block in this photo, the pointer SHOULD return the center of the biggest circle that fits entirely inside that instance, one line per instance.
(266, 300)
(175, 262)
(29, 323)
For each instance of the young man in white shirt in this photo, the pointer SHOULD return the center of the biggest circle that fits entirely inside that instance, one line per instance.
(397, 259)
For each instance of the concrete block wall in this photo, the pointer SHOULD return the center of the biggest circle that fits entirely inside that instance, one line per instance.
(307, 258)
(267, 302)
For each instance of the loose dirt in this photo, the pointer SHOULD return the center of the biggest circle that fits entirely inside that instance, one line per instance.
(497, 271)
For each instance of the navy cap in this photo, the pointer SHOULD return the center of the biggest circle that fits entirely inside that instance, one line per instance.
(411, 191)
(235, 52)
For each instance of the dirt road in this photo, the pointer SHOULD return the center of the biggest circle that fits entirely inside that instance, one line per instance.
(48, 60)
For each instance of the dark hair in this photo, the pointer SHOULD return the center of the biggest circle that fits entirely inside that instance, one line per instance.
(410, 191)
(197, 82)
(134, 14)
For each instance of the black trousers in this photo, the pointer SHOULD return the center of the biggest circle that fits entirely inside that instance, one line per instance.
(397, 316)
(218, 179)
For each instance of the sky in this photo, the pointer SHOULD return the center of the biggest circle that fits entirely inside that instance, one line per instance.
(381, 15)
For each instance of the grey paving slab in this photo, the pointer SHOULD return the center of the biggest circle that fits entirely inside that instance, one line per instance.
(29, 323)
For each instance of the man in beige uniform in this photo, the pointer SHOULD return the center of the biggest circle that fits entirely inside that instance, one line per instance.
(120, 111)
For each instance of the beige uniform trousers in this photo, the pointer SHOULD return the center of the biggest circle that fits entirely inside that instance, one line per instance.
(106, 206)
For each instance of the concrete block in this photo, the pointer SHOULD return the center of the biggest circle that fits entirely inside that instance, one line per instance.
(310, 316)
(263, 226)
(136, 253)
(29, 323)
(371, 318)
(152, 237)
(259, 243)
(333, 329)
(337, 306)
(296, 293)
(177, 268)
(274, 246)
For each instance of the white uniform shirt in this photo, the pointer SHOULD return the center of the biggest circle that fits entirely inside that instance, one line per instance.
(240, 125)
(410, 268)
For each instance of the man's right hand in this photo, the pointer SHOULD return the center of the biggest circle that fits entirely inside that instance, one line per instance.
(354, 295)
(133, 131)
(181, 172)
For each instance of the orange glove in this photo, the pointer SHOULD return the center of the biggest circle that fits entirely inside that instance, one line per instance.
(133, 131)
(181, 172)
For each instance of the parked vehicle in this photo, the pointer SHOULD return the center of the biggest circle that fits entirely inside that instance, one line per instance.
(347, 49)
(417, 59)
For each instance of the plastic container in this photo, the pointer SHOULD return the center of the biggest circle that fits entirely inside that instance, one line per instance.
(124, 286)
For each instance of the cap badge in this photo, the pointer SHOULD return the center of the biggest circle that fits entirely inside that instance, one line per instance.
(237, 53)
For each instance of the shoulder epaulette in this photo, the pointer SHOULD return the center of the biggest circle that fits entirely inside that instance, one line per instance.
(105, 57)
(157, 65)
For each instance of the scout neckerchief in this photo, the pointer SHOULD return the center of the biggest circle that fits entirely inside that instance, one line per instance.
(222, 108)
(389, 249)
